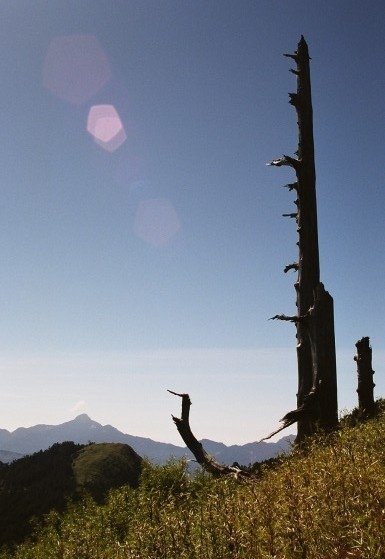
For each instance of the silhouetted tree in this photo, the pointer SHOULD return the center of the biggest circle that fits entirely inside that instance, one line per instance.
(317, 378)
(365, 376)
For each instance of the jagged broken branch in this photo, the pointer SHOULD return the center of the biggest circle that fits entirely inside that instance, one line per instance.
(291, 186)
(286, 318)
(307, 409)
(293, 266)
(285, 160)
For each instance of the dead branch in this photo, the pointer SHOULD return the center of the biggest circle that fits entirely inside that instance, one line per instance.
(286, 318)
(276, 432)
(202, 457)
(307, 410)
(294, 99)
(285, 160)
(292, 215)
(291, 186)
(293, 266)
(293, 56)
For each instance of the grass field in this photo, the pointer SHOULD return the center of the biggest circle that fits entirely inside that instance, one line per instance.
(327, 502)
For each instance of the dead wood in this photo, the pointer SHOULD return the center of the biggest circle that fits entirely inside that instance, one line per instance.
(365, 376)
(307, 410)
(319, 406)
(293, 266)
(322, 345)
(202, 457)
(315, 335)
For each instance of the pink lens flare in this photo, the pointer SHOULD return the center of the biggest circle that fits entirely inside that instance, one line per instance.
(156, 221)
(75, 68)
(104, 124)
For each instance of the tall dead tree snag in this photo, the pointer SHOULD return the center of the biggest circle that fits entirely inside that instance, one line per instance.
(314, 320)
(317, 376)
(365, 376)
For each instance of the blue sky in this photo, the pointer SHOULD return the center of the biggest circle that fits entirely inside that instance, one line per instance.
(154, 259)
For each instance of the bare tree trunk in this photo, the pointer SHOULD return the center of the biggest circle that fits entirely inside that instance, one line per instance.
(315, 335)
(308, 271)
(317, 377)
(365, 376)
(322, 343)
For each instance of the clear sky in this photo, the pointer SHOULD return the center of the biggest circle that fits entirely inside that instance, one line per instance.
(142, 243)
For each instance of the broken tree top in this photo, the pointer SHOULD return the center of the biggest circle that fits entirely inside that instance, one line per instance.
(302, 51)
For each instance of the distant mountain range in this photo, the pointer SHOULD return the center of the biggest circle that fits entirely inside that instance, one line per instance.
(82, 429)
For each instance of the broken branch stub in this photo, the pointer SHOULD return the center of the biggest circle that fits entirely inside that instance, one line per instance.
(284, 317)
(291, 186)
(293, 266)
(285, 160)
(292, 215)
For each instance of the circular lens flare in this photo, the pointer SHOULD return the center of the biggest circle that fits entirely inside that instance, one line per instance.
(75, 68)
(156, 221)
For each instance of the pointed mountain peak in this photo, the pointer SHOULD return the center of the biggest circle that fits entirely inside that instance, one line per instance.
(83, 418)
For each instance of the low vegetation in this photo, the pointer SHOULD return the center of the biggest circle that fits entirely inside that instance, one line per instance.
(34, 485)
(100, 467)
(47, 480)
(325, 502)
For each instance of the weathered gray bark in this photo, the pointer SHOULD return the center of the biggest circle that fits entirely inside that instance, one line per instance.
(365, 376)
(315, 334)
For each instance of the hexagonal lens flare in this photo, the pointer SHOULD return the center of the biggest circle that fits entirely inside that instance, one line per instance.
(105, 127)
(75, 68)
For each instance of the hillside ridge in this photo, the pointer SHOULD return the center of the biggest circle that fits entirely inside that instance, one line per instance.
(82, 430)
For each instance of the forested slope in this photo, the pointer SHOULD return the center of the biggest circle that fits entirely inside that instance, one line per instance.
(47, 480)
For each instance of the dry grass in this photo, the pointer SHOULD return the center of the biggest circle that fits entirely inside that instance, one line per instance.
(327, 503)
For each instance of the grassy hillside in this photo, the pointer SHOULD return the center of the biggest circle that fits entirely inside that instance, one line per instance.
(99, 467)
(325, 503)
(47, 480)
